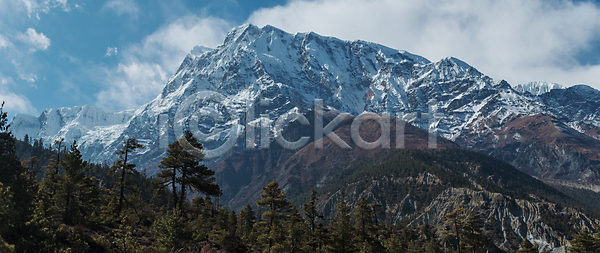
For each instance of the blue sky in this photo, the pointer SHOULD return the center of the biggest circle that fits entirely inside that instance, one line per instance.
(118, 54)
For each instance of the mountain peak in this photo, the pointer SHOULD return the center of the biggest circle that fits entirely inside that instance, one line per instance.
(463, 66)
(537, 88)
(199, 50)
(238, 34)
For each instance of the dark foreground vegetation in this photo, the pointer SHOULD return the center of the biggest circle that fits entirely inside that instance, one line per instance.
(53, 201)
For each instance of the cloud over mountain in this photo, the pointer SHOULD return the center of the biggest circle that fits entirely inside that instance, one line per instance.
(520, 41)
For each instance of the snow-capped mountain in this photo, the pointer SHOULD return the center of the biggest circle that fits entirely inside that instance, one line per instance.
(261, 74)
(94, 127)
(537, 88)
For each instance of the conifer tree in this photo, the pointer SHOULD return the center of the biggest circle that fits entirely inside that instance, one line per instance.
(78, 193)
(378, 210)
(124, 239)
(297, 233)
(274, 200)
(393, 244)
(364, 219)
(342, 234)
(363, 216)
(31, 162)
(19, 186)
(232, 223)
(474, 240)
(171, 231)
(6, 215)
(527, 247)
(585, 242)
(59, 149)
(432, 247)
(170, 165)
(195, 176)
(246, 223)
(455, 220)
(125, 169)
(312, 216)
(182, 168)
(52, 169)
(26, 139)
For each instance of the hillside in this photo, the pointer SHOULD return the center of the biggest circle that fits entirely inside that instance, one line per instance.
(419, 187)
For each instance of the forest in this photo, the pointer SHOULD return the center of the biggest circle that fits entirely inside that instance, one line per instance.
(51, 200)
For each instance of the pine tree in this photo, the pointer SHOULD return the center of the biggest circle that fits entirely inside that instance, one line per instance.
(297, 233)
(432, 247)
(364, 219)
(474, 240)
(232, 223)
(78, 193)
(274, 200)
(182, 168)
(246, 223)
(312, 216)
(363, 216)
(232, 242)
(26, 139)
(205, 215)
(195, 176)
(455, 220)
(343, 232)
(585, 242)
(31, 162)
(527, 247)
(125, 169)
(53, 168)
(170, 165)
(323, 236)
(59, 148)
(377, 212)
(7, 214)
(171, 231)
(19, 186)
(393, 244)
(124, 239)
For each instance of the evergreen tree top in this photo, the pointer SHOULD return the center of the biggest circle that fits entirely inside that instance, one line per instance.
(4, 125)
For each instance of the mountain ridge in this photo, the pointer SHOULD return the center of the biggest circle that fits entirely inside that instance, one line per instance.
(275, 73)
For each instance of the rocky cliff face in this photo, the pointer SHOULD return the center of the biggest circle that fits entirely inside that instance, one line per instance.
(509, 213)
(506, 220)
(545, 147)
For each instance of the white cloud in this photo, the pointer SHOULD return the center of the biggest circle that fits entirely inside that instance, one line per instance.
(122, 6)
(24, 73)
(146, 66)
(35, 40)
(29, 77)
(110, 51)
(4, 42)
(14, 103)
(516, 40)
(35, 7)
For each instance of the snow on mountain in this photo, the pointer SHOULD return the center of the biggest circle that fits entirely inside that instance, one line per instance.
(93, 128)
(199, 50)
(537, 88)
(269, 73)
